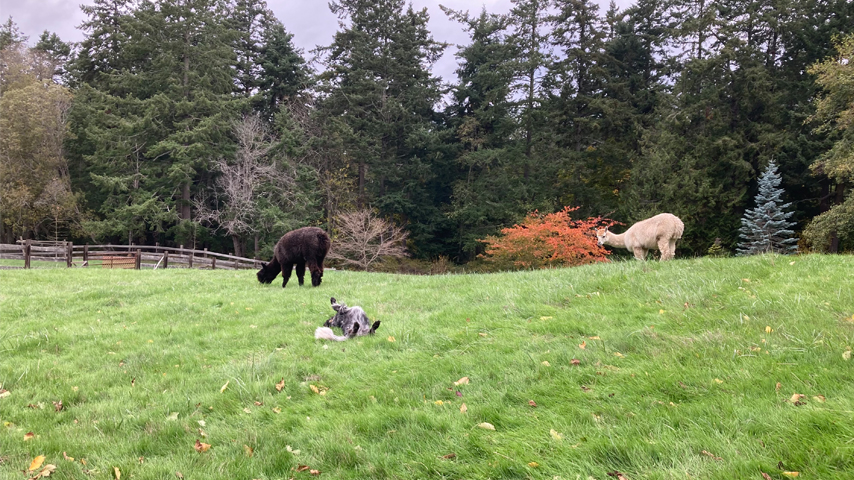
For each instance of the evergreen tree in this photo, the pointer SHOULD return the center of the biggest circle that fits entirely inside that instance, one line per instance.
(488, 191)
(378, 89)
(766, 227)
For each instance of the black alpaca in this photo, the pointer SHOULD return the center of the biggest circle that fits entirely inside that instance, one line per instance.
(303, 247)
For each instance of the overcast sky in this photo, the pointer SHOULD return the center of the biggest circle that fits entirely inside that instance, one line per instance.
(310, 21)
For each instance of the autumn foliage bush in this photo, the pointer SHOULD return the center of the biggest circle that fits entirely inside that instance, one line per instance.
(550, 240)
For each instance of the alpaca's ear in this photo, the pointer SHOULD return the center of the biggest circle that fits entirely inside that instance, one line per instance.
(263, 264)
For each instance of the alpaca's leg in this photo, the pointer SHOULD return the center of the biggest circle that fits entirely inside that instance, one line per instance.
(287, 268)
(316, 272)
(301, 272)
(672, 246)
(664, 248)
(640, 253)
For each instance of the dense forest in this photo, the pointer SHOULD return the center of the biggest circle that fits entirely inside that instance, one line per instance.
(198, 122)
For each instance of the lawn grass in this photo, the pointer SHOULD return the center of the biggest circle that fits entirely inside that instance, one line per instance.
(688, 371)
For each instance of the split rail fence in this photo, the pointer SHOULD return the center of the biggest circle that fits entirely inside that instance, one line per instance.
(32, 252)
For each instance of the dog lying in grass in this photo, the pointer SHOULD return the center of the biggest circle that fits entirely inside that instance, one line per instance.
(352, 321)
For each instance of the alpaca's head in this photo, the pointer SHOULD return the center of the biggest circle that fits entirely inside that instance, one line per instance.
(267, 273)
(601, 235)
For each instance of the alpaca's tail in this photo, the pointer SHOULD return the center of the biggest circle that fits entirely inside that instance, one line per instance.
(326, 333)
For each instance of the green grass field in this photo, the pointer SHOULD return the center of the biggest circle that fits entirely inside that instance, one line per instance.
(683, 369)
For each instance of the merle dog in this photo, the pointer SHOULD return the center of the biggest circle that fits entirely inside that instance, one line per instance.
(351, 320)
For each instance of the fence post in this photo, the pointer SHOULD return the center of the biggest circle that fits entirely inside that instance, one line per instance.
(86, 255)
(190, 259)
(206, 253)
(165, 258)
(68, 250)
(138, 259)
(213, 263)
(26, 254)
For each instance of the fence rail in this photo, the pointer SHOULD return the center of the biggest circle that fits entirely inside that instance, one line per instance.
(120, 256)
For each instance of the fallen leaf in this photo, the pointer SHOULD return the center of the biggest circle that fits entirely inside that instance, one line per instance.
(533, 464)
(778, 386)
(583, 345)
(390, 338)
(295, 452)
(718, 380)
(462, 381)
(819, 398)
(546, 363)
(439, 402)
(458, 393)
(661, 312)
(791, 474)
(57, 406)
(277, 409)
(172, 416)
(846, 355)
(449, 456)
(203, 433)
(44, 472)
(201, 447)
(545, 318)
(314, 472)
(302, 468)
(555, 434)
(280, 385)
(766, 476)
(179, 475)
(248, 450)
(595, 337)
(796, 397)
(224, 386)
(768, 329)
(464, 408)
(70, 459)
(258, 404)
(483, 334)
(4, 393)
(575, 361)
(247, 410)
(29, 436)
(618, 354)
(37, 462)
(711, 455)
(617, 474)
(117, 473)
(532, 403)
(486, 426)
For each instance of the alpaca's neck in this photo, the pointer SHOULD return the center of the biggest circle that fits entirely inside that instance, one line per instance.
(616, 239)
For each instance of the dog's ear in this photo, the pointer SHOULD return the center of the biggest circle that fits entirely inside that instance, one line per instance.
(375, 326)
(333, 300)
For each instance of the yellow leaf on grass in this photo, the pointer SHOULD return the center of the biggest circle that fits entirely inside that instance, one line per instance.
(280, 385)
(582, 345)
(768, 329)
(618, 354)
(70, 459)
(117, 473)
(791, 474)
(718, 380)
(796, 397)
(29, 436)
(201, 447)
(248, 450)
(462, 381)
(439, 402)
(545, 318)
(486, 426)
(4, 393)
(37, 462)
(533, 464)
(819, 398)
(314, 388)
(846, 355)
(224, 386)
(595, 337)
(390, 338)
(555, 434)
(546, 363)
(464, 408)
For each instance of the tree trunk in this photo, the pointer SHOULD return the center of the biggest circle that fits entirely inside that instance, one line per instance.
(238, 245)
(185, 202)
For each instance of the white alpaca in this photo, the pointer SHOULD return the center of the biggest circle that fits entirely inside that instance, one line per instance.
(661, 231)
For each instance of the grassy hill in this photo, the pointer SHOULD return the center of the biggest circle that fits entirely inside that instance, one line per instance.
(704, 368)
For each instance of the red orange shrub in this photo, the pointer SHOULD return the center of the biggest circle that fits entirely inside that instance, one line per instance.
(550, 240)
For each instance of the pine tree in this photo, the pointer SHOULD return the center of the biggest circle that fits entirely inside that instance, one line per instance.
(766, 227)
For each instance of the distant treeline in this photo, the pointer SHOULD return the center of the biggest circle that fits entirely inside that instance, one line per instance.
(198, 122)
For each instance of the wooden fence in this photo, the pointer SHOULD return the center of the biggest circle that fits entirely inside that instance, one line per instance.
(120, 256)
